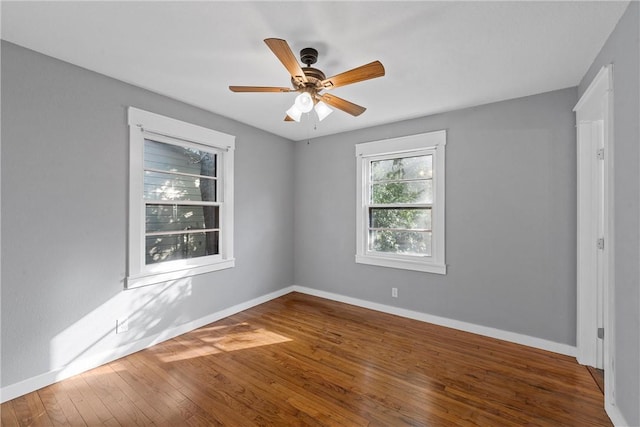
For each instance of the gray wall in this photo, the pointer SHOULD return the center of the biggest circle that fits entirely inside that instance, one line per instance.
(510, 218)
(622, 49)
(64, 193)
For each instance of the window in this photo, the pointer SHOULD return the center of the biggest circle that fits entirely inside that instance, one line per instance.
(400, 190)
(180, 199)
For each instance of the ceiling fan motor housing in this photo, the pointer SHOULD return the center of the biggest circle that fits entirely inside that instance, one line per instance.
(309, 56)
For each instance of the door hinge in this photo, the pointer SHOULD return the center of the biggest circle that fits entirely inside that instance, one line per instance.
(600, 154)
(600, 243)
(601, 333)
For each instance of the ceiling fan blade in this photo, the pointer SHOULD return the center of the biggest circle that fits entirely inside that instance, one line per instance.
(341, 104)
(364, 72)
(258, 89)
(288, 119)
(282, 50)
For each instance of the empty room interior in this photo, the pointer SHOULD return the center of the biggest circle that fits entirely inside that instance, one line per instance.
(320, 213)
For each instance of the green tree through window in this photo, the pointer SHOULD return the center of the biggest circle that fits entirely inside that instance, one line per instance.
(400, 211)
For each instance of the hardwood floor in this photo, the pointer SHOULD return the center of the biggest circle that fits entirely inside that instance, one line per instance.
(598, 377)
(302, 360)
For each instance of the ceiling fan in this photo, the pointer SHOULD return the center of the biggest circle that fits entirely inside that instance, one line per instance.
(311, 82)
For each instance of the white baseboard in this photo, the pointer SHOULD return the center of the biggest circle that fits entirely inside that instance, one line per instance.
(86, 363)
(529, 341)
(616, 416)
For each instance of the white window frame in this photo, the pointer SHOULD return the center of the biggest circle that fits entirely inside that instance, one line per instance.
(426, 143)
(146, 125)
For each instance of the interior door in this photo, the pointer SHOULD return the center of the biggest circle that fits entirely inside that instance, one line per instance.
(595, 229)
(599, 216)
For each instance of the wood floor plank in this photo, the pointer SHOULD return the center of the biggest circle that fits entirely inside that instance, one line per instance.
(53, 406)
(598, 376)
(30, 411)
(201, 387)
(8, 416)
(102, 381)
(302, 360)
(89, 406)
(139, 398)
(156, 403)
(58, 391)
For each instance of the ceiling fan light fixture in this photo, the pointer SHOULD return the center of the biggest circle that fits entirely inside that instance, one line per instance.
(294, 113)
(304, 102)
(322, 110)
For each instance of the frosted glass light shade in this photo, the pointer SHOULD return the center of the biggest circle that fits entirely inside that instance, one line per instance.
(304, 102)
(294, 113)
(322, 110)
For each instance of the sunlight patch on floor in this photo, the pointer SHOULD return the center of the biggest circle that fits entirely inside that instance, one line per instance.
(249, 339)
(223, 339)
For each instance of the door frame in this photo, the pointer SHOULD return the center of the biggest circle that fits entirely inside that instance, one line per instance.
(594, 110)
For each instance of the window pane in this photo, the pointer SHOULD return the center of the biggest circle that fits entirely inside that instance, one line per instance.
(419, 167)
(400, 242)
(177, 217)
(400, 218)
(403, 192)
(181, 246)
(167, 186)
(173, 158)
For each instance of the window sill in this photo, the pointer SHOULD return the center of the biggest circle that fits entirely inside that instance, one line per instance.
(403, 264)
(150, 279)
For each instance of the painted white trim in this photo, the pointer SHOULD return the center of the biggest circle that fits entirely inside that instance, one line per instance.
(487, 331)
(600, 83)
(86, 363)
(173, 128)
(402, 144)
(405, 264)
(615, 415)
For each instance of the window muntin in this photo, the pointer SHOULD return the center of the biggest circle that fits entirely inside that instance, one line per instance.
(401, 208)
(181, 204)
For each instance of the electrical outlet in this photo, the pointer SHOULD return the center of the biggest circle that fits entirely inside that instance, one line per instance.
(122, 325)
(394, 292)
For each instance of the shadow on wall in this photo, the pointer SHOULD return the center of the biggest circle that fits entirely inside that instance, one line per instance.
(93, 339)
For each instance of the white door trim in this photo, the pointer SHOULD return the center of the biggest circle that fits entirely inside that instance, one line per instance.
(594, 113)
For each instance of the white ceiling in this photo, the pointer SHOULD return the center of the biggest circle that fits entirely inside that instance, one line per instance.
(438, 56)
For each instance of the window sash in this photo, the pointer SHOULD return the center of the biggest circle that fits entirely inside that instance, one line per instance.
(371, 181)
(177, 202)
(369, 207)
(182, 143)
